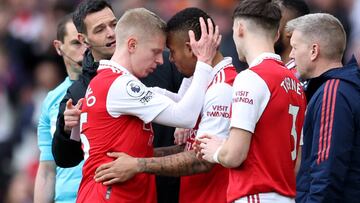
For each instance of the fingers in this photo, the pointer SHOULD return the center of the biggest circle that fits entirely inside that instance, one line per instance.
(104, 175)
(69, 104)
(217, 36)
(204, 136)
(109, 178)
(181, 135)
(115, 154)
(103, 167)
(211, 28)
(203, 28)
(204, 139)
(113, 181)
(218, 41)
(79, 103)
(192, 37)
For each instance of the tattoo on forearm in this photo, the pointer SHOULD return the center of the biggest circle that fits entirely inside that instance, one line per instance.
(184, 163)
(165, 151)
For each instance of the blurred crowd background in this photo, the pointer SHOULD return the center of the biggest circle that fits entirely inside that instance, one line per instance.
(30, 67)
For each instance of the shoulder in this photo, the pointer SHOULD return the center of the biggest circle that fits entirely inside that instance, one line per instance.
(55, 95)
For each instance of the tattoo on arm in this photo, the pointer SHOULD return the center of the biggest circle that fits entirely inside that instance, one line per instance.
(165, 151)
(184, 163)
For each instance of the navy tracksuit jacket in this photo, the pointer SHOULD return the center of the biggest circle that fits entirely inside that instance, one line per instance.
(330, 166)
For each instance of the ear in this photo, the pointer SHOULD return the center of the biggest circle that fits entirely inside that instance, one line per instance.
(132, 44)
(57, 44)
(277, 36)
(188, 50)
(82, 38)
(240, 28)
(288, 35)
(315, 52)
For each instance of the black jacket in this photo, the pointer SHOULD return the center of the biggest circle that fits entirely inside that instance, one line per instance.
(67, 152)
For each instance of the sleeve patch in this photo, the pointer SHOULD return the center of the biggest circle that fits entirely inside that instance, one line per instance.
(135, 88)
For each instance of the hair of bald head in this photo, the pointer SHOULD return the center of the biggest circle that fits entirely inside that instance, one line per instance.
(324, 29)
(141, 23)
(262, 16)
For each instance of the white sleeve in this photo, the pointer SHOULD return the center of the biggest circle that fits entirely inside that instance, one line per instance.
(185, 113)
(215, 117)
(185, 84)
(250, 97)
(174, 96)
(128, 96)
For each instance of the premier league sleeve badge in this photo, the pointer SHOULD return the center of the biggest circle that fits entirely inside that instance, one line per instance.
(135, 88)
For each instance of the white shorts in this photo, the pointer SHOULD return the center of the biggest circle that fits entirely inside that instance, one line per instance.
(269, 197)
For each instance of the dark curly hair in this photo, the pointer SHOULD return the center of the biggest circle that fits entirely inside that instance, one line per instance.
(188, 19)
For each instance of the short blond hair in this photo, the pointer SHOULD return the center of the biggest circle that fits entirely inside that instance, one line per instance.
(324, 29)
(139, 22)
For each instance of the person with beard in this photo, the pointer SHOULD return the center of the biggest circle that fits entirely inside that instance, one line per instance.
(55, 184)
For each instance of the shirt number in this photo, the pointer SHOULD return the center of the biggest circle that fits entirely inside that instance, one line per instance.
(293, 110)
(84, 140)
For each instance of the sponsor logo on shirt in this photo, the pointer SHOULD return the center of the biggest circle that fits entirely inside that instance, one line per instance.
(135, 88)
(219, 111)
(148, 96)
(242, 97)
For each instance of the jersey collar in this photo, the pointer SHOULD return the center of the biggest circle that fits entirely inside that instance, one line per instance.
(104, 64)
(227, 61)
(263, 56)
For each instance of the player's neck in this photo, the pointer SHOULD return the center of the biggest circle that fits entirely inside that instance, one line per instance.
(217, 59)
(122, 59)
(258, 46)
(72, 75)
(325, 65)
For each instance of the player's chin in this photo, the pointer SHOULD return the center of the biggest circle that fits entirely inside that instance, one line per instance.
(150, 70)
(145, 74)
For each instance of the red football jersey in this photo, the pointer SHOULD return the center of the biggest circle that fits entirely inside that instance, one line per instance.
(214, 119)
(103, 131)
(268, 101)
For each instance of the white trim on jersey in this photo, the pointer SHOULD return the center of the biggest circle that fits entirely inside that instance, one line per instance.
(227, 61)
(115, 67)
(263, 56)
(269, 197)
(291, 64)
(250, 97)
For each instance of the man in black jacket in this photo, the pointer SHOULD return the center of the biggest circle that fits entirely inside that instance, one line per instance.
(95, 21)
